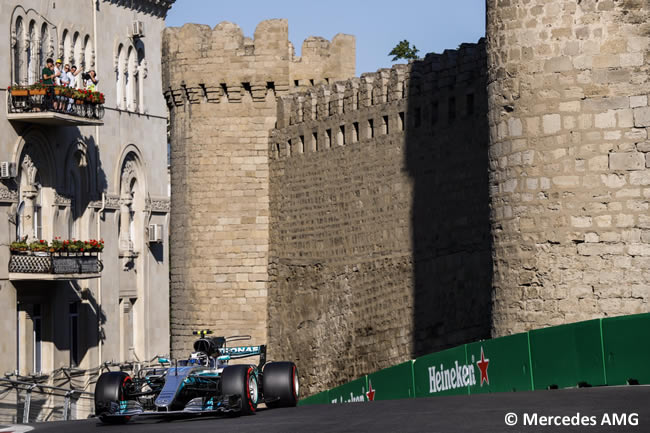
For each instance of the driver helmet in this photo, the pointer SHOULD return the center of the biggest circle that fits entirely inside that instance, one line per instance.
(200, 358)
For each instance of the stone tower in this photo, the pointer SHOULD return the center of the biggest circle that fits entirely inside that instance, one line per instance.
(569, 178)
(221, 91)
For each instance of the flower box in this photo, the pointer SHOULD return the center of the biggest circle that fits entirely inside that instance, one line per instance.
(54, 264)
(37, 92)
(19, 92)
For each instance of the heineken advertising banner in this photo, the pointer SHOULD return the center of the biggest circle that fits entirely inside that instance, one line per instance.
(567, 355)
(502, 364)
(444, 373)
(392, 383)
(352, 392)
(626, 349)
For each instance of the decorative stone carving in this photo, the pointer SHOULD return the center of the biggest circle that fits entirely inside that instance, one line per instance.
(29, 168)
(8, 195)
(61, 200)
(111, 202)
(129, 170)
(158, 205)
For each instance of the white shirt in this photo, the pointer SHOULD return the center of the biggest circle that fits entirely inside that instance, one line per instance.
(77, 82)
(57, 80)
(71, 79)
(64, 79)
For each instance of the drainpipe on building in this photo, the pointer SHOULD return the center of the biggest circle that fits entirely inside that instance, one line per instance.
(99, 284)
(100, 214)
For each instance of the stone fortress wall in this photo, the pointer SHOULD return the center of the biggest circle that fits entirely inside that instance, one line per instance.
(379, 209)
(569, 176)
(486, 191)
(221, 89)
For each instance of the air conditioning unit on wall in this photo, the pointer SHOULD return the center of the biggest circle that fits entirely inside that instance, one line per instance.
(155, 233)
(7, 170)
(137, 29)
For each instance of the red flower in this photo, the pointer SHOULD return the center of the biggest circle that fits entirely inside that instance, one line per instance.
(41, 241)
(81, 249)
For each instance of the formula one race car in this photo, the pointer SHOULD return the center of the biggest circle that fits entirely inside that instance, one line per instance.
(203, 383)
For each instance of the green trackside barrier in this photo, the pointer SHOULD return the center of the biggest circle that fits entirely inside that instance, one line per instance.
(351, 392)
(392, 383)
(567, 355)
(626, 346)
(443, 373)
(320, 398)
(501, 364)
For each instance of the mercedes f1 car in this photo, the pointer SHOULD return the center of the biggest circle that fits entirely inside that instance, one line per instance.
(202, 384)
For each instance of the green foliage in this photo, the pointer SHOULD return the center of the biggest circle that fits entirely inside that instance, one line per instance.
(403, 50)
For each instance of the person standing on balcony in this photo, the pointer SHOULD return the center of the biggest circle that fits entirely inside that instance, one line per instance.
(91, 80)
(58, 71)
(48, 75)
(75, 78)
(64, 79)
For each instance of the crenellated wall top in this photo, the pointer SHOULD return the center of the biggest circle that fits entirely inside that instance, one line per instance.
(197, 55)
(451, 69)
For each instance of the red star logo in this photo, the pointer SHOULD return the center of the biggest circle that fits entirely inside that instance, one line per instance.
(371, 392)
(483, 366)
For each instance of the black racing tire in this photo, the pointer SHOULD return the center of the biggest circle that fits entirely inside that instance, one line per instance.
(241, 380)
(110, 390)
(280, 384)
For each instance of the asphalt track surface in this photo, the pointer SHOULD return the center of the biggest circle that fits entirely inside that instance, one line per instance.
(476, 413)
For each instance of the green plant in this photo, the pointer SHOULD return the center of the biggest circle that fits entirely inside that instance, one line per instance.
(403, 50)
(40, 245)
(19, 245)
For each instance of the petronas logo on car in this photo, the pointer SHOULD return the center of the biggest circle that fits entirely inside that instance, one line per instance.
(242, 349)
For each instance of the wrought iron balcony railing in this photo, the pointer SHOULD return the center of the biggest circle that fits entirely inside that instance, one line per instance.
(53, 266)
(54, 106)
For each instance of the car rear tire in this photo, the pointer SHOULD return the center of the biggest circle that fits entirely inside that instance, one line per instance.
(280, 384)
(241, 380)
(109, 391)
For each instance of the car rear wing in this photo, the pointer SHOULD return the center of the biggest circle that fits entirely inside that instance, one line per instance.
(238, 352)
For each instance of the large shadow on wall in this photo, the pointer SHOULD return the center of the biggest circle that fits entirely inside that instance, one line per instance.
(446, 145)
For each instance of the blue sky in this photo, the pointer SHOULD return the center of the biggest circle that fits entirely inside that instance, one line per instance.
(432, 26)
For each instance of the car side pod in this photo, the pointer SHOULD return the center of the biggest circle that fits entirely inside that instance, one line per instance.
(280, 384)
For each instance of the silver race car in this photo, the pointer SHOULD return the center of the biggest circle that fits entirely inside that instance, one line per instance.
(204, 383)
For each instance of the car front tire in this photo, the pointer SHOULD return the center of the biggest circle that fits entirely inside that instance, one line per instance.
(241, 380)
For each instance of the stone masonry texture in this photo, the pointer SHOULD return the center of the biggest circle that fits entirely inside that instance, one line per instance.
(221, 89)
(569, 178)
(379, 211)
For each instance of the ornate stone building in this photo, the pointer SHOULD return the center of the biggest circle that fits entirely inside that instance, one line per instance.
(73, 174)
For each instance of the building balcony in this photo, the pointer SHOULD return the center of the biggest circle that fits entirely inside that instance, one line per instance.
(55, 106)
(53, 266)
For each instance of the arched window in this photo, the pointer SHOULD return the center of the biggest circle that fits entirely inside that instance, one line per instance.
(32, 54)
(88, 60)
(77, 50)
(43, 48)
(19, 50)
(131, 80)
(120, 70)
(66, 45)
(142, 73)
(38, 205)
(132, 206)
(20, 230)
